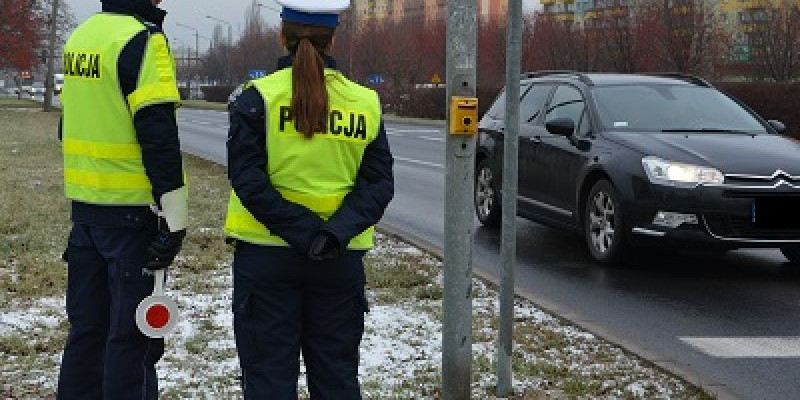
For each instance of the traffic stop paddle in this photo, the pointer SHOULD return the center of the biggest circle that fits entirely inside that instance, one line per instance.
(157, 315)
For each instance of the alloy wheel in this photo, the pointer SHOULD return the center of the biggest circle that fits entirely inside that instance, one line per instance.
(484, 193)
(602, 222)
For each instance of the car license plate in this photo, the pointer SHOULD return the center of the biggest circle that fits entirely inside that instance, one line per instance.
(776, 212)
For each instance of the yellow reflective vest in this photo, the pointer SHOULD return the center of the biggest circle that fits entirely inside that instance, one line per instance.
(102, 157)
(318, 172)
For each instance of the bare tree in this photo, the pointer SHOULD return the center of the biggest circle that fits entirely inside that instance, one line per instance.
(258, 47)
(65, 21)
(615, 30)
(775, 40)
(561, 44)
(689, 35)
(370, 55)
(216, 64)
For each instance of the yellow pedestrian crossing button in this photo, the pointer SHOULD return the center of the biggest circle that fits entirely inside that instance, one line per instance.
(463, 115)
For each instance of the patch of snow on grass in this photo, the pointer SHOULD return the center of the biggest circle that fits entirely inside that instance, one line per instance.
(46, 312)
(398, 341)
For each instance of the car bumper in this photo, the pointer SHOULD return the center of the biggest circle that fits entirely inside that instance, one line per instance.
(723, 216)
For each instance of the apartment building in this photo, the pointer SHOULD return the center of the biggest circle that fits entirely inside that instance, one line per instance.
(422, 11)
(742, 19)
(745, 19)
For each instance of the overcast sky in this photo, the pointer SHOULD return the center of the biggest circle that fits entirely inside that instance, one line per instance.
(194, 12)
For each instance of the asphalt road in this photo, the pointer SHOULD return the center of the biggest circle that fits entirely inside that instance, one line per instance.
(731, 322)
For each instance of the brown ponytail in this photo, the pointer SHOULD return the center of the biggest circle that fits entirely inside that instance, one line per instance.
(309, 94)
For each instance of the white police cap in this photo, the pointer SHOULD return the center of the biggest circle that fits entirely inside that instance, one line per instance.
(313, 12)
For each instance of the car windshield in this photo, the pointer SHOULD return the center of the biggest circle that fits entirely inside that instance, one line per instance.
(671, 108)
(38, 84)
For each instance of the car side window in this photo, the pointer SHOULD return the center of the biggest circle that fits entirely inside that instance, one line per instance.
(533, 102)
(567, 102)
(499, 107)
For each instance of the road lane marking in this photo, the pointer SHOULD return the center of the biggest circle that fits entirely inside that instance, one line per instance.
(747, 347)
(404, 134)
(425, 163)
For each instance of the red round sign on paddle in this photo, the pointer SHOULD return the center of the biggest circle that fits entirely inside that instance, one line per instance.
(157, 314)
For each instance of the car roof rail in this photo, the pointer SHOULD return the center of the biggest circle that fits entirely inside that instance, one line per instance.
(540, 74)
(684, 77)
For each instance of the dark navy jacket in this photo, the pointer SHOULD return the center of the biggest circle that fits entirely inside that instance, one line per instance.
(296, 224)
(156, 127)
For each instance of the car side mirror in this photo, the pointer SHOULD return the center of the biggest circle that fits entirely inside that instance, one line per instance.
(777, 125)
(561, 126)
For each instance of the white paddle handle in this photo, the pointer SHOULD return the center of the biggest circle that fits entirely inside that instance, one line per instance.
(159, 283)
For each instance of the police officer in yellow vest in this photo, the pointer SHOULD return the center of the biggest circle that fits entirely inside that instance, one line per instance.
(123, 174)
(311, 172)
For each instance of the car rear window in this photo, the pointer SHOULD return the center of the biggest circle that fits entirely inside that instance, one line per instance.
(671, 108)
(498, 110)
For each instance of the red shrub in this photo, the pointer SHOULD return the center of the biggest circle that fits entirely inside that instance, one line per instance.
(770, 100)
(218, 94)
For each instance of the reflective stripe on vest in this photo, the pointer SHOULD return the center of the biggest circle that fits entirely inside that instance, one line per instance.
(102, 157)
(316, 173)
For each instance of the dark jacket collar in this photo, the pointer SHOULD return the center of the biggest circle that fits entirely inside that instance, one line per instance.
(286, 62)
(143, 9)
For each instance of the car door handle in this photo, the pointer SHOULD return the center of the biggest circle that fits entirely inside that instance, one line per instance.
(534, 139)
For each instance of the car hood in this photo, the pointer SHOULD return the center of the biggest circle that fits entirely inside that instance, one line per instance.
(732, 153)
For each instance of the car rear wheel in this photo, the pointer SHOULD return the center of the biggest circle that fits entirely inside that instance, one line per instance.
(603, 225)
(487, 202)
(792, 253)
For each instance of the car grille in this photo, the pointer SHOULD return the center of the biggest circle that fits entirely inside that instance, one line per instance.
(779, 179)
(726, 226)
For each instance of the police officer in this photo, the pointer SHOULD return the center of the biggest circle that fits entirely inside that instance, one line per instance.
(123, 174)
(311, 172)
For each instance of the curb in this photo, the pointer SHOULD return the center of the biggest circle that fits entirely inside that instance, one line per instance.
(686, 372)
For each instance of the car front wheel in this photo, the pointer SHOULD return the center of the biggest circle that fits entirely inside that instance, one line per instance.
(487, 202)
(603, 225)
(792, 253)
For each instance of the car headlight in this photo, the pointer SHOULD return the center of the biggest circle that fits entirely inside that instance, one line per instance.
(670, 173)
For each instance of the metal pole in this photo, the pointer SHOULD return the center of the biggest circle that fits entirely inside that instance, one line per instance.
(457, 300)
(189, 71)
(196, 59)
(49, 80)
(230, 50)
(510, 182)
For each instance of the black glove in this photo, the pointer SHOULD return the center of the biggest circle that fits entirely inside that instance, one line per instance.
(324, 246)
(165, 247)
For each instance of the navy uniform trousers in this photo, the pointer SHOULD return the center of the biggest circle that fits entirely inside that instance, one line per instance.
(106, 357)
(284, 303)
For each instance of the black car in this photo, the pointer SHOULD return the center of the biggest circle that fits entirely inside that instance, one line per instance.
(631, 161)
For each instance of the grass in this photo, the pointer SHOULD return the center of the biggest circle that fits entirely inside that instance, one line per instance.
(551, 359)
(13, 102)
(204, 105)
(33, 212)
